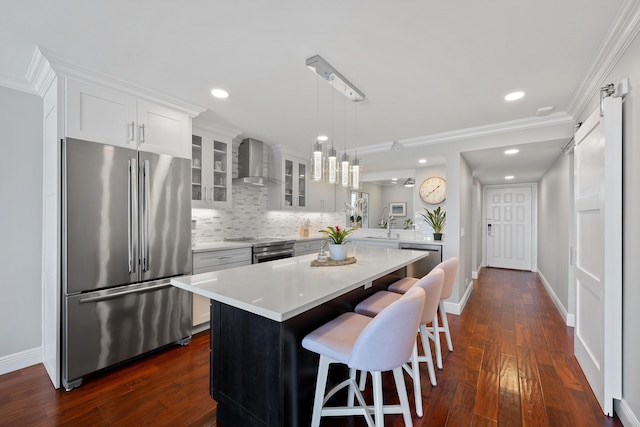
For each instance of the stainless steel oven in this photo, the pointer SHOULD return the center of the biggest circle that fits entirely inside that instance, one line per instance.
(267, 249)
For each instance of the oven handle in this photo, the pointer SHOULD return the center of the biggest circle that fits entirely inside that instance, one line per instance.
(272, 254)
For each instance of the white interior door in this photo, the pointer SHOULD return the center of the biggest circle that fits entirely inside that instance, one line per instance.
(508, 227)
(598, 222)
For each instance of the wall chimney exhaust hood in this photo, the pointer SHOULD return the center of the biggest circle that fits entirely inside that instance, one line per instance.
(251, 164)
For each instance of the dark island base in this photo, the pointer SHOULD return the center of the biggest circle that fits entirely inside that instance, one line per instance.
(260, 374)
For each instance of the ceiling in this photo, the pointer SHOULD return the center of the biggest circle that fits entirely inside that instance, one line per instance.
(426, 68)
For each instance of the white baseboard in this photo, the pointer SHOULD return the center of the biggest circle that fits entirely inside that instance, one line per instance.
(476, 274)
(626, 415)
(569, 319)
(23, 359)
(456, 308)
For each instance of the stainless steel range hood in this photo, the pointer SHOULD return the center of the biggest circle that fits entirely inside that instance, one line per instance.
(251, 164)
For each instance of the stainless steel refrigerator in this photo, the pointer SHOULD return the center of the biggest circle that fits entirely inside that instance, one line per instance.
(126, 230)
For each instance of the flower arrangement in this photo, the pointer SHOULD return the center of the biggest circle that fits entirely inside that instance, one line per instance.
(337, 235)
(355, 211)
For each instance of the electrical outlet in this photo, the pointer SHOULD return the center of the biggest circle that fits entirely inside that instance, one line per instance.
(368, 285)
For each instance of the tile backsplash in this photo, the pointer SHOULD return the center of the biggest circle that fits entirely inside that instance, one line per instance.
(249, 217)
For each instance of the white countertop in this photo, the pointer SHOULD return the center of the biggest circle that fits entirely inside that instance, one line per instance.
(282, 289)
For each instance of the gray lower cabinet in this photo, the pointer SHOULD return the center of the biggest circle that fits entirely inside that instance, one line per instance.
(214, 260)
(306, 247)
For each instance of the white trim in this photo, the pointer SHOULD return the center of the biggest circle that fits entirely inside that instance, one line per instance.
(39, 73)
(626, 415)
(16, 84)
(475, 132)
(20, 360)
(457, 308)
(75, 72)
(569, 319)
(621, 34)
(476, 274)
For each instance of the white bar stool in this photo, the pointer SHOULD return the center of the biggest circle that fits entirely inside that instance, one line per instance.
(376, 303)
(450, 268)
(378, 344)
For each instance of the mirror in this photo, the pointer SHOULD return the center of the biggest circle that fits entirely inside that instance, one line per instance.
(380, 196)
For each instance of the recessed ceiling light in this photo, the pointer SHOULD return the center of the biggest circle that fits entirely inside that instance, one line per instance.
(514, 96)
(322, 138)
(509, 177)
(511, 151)
(394, 179)
(422, 161)
(220, 93)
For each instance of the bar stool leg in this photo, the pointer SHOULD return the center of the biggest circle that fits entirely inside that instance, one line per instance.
(402, 394)
(436, 339)
(377, 398)
(415, 374)
(321, 383)
(425, 336)
(351, 394)
(445, 325)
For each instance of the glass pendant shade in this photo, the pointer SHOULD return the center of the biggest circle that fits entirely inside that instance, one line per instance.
(316, 162)
(344, 170)
(355, 174)
(332, 166)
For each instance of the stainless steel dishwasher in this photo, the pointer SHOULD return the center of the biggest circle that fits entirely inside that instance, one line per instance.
(425, 265)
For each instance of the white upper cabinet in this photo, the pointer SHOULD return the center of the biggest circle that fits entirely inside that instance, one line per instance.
(211, 169)
(292, 193)
(163, 130)
(322, 197)
(107, 116)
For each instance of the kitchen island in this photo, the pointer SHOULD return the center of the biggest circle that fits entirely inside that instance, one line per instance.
(260, 374)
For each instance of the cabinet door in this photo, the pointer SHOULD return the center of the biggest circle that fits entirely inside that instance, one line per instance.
(100, 115)
(322, 197)
(204, 262)
(214, 172)
(198, 189)
(301, 187)
(163, 130)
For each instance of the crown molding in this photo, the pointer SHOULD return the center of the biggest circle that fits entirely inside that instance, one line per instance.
(560, 118)
(65, 69)
(39, 73)
(216, 128)
(621, 34)
(16, 84)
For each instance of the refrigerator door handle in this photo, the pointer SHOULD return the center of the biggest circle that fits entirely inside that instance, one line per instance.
(132, 213)
(119, 294)
(145, 215)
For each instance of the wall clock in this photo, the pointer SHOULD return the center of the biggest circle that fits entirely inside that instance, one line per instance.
(433, 190)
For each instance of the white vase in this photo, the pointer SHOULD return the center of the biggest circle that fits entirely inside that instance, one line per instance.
(338, 252)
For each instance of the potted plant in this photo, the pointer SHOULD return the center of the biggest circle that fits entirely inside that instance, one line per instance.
(436, 220)
(337, 242)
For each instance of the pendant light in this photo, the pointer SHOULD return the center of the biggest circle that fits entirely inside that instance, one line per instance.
(316, 155)
(344, 162)
(332, 159)
(355, 163)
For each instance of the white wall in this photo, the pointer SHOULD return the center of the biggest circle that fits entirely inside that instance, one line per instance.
(467, 217)
(20, 221)
(554, 237)
(629, 67)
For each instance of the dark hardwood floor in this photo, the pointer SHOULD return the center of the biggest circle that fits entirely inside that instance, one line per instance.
(512, 365)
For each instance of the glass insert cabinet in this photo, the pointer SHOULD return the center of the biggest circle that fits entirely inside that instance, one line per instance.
(210, 170)
(292, 193)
